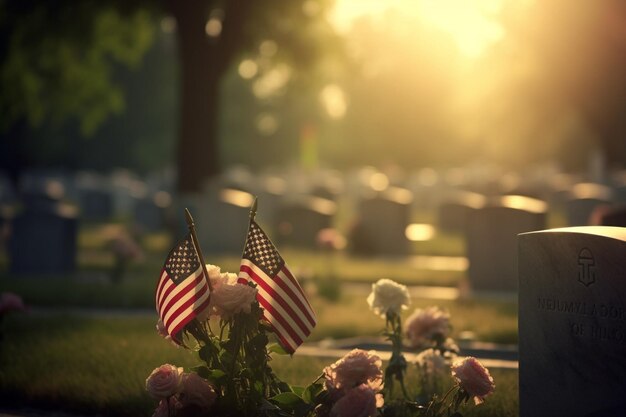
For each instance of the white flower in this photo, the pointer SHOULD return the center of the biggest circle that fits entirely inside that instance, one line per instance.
(388, 296)
(230, 297)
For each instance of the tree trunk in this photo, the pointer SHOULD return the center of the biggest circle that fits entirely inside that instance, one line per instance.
(198, 146)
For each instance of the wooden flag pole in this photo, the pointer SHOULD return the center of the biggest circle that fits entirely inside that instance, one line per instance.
(194, 238)
(253, 209)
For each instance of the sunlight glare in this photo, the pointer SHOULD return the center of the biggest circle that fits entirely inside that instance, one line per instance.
(334, 101)
(248, 69)
(469, 23)
(472, 24)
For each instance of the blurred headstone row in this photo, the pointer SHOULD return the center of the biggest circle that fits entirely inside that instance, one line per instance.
(372, 208)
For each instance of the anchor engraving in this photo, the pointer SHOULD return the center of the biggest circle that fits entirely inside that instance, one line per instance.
(586, 263)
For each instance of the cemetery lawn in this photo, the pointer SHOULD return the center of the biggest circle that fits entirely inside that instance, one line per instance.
(98, 365)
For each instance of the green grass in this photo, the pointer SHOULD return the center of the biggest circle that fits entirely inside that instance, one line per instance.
(99, 365)
(490, 321)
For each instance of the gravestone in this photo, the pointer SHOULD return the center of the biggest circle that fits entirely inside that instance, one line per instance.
(96, 204)
(381, 226)
(455, 208)
(221, 218)
(271, 192)
(584, 198)
(43, 239)
(491, 240)
(298, 222)
(572, 322)
(150, 212)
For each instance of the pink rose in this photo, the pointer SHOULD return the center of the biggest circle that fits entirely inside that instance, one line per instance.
(473, 378)
(164, 381)
(355, 368)
(232, 297)
(197, 392)
(423, 327)
(167, 408)
(360, 401)
(11, 302)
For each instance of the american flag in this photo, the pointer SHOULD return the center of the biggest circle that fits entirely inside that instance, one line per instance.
(182, 291)
(284, 304)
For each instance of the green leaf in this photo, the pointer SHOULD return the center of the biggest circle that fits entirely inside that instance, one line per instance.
(216, 375)
(202, 371)
(276, 348)
(297, 390)
(287, 400)
(311, 392)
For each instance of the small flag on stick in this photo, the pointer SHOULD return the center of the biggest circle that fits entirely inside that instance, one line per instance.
(183, 289)
(285, 306)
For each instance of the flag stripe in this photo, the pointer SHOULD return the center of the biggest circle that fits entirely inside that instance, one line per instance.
(305, 306)
(160, 286)
(279, 314)
(278, 321)
(192, 292)
(188, 317)
(284, 303)
(182, 291)
(269, 291)
(295, 294)
(289, 345)
(190, 305)
(168, 287)
(177, 291)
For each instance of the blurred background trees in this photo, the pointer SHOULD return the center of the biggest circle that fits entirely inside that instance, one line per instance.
(199, 85)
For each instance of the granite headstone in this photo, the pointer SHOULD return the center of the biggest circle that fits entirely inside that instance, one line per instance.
(299, 221)
(584, 198)
(572, 322)
(43, 239)
(491, 240)
(382, 223)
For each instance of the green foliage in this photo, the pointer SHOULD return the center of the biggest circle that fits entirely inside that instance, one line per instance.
(59, 60)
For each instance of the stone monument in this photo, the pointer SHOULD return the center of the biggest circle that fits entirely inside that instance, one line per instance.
(572, 322)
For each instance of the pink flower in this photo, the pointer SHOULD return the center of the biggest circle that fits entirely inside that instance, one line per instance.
(355, 368)
(423, 327)
(473, 378)
(167, 408)
(164, 381)
(124, 246)
(330, 239)
(360, 401)
(11, 302)
(230, 297)
(197, 392)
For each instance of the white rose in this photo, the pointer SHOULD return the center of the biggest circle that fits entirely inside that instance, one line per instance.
(215, 275)
(388, 296)
(164, 381)
(232, 298)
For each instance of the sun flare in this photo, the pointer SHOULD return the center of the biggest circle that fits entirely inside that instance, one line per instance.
(473, 25)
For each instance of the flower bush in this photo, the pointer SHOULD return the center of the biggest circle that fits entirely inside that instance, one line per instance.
(235, 377)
